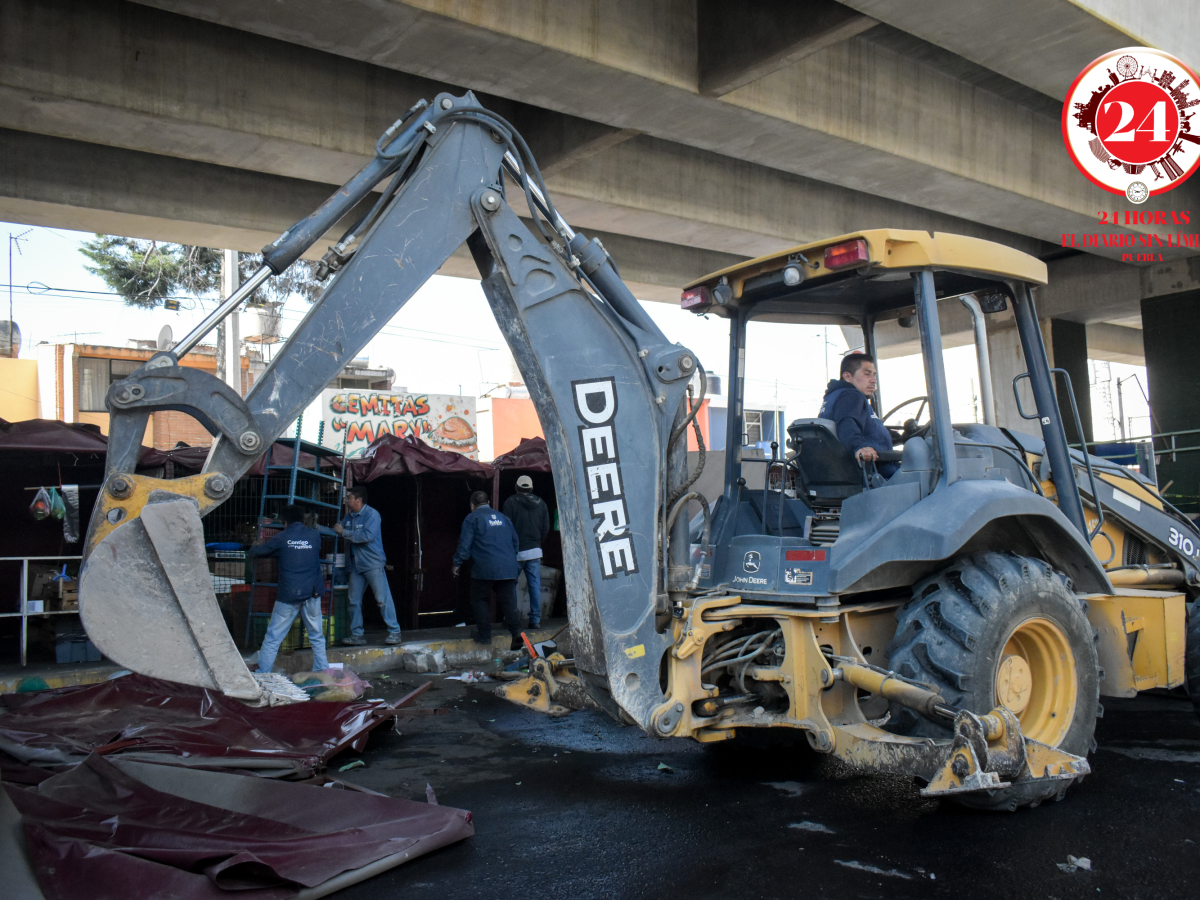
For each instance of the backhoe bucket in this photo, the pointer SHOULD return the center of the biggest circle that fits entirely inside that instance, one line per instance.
(147, 600)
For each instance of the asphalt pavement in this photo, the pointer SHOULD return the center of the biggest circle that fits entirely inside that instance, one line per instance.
(581, 807)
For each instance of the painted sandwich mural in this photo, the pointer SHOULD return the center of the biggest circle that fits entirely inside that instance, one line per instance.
(355, 418)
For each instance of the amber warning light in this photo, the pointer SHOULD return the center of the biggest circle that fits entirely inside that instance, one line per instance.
(851, 253)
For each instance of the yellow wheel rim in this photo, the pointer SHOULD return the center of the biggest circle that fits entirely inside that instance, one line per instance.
(1036, 680)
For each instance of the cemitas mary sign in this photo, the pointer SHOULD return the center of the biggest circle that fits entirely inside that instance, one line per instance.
(355, 418)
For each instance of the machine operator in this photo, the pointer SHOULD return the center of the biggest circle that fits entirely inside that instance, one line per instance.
(848, 404)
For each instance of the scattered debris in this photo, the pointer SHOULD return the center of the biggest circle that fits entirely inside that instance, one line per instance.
(340, 685)
(278, 690)
(811, 826)
(357, 764)
(422, 661)
(874, 870)
(791, 788)
(471, 676)
(663, 767)
(1075, 862)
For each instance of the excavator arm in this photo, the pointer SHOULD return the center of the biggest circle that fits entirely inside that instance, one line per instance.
(609, 389)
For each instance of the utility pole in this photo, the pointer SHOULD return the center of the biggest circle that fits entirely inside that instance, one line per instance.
(1120, 410)
(232, 356)
(13, 348)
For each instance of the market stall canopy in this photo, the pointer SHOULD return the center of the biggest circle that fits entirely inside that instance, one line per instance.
(531, 455)
(282, 451)
(53, 436)
(391, 455)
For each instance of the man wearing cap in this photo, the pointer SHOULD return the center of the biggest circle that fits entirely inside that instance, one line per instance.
(531, 518)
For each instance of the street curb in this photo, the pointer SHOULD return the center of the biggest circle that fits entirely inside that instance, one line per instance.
(461, 653)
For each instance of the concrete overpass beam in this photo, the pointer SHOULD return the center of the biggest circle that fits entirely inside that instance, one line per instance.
(858, 114)
(1116, 343)
(1043, 43)
(740, 43)
(145, 195)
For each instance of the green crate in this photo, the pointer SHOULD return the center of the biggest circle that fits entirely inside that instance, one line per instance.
(297, 637)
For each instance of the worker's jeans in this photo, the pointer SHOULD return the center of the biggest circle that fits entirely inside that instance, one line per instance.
(506, 599)
(377, 579)
(282, 618)
(533, 577)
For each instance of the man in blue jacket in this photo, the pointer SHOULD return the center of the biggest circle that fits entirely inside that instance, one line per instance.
(847, 404)
(299, 588)
(364, 542)
(490, 541)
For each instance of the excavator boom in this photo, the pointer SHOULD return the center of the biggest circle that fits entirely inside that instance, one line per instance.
(608, 386)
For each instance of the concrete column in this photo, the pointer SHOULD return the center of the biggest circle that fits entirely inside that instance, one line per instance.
(1008, 361)
(1069, 350)
(1169, 337)
(1066, 348)
(233, 338)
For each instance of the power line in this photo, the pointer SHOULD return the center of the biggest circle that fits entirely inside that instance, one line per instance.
(402, 331)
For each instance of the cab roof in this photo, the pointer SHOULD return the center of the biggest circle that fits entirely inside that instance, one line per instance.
(879, 286)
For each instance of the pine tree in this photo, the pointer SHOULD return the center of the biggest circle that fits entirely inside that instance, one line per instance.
(145, 273)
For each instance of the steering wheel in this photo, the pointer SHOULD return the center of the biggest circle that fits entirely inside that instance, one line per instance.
(912, 427)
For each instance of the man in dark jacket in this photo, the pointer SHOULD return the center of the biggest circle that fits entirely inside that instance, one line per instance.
(531, 518)
(299, 587)
(489, 540)
(847, 404)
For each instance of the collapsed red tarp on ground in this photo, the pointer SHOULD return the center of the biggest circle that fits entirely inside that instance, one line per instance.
(126, 831)
(52, 436)
(391, 455)
(136, 714)
(531, 455)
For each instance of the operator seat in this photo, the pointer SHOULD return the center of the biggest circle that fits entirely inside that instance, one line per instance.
(828, 471)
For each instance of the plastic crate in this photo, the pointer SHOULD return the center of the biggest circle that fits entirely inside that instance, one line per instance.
(297, 637)
(76, 651)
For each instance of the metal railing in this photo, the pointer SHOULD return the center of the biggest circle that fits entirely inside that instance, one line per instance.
(23, 610)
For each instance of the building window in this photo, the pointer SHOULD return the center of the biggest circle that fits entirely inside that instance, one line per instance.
(753, 425)
(95, 376)
(354, 384)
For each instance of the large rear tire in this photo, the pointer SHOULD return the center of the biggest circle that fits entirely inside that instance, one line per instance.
(999, 629)
(1191, 666)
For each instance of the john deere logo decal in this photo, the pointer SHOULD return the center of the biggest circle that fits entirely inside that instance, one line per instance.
(1129, 122)
(752, 561)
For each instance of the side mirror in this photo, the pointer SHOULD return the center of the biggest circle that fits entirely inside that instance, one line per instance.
(992, 301)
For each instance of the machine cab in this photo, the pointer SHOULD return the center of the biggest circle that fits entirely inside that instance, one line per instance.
(789, 526)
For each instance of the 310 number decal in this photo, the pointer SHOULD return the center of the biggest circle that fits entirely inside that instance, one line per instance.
(1185, 544)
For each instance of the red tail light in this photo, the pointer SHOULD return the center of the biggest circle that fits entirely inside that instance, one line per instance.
(697, 298)
(851, 253)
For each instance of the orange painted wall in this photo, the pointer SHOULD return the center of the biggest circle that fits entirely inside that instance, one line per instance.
(702, 419)
(512, 421)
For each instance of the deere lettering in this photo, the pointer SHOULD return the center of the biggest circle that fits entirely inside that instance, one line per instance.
(596, 404)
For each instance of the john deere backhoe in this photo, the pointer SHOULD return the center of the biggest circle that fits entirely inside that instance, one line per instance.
(956, 622)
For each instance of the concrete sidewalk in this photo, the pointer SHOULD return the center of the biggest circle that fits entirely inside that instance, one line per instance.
(375, 656)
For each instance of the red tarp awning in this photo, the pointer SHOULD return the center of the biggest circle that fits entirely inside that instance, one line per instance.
(531, 455)
(53, 436)
(115, 830)
(391, 455)
(139, 715)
